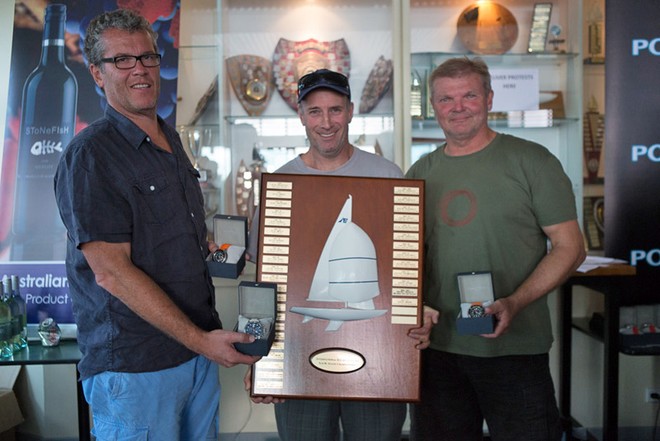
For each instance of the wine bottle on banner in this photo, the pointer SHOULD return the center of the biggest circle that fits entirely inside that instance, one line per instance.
(48, 118)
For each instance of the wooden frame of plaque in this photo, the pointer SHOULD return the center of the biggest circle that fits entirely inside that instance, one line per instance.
(347, 256)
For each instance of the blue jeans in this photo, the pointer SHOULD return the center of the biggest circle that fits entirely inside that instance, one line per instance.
(318, 420)
(179, 403)
(514, 394)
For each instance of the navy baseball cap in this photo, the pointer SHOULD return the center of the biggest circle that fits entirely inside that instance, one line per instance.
(323, 78)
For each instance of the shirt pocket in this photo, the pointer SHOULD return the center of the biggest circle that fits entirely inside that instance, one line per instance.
(157, 199)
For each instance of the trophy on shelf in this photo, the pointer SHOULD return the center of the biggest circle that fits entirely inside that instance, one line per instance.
(555, 31)
(539, 29)
(193, 139)
(594, 133)
(416, 95)
(248, 184)
(596, 34)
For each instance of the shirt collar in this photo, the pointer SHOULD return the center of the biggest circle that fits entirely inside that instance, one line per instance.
(133, 134)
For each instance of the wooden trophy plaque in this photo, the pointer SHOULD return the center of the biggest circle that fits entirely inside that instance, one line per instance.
(346, 255)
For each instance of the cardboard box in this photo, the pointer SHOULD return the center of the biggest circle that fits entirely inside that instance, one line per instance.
(230, 233)
(476, 292)
(10, 412)
(257, 301)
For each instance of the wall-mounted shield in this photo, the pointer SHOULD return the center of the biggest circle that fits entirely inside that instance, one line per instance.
(293, 59)
(251, 77)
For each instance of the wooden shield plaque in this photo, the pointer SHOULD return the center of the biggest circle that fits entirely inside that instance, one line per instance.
(293, 59)
(346, 254)
(377, 85)
(251, 78)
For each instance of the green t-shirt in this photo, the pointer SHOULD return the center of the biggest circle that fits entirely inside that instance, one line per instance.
(484, 212)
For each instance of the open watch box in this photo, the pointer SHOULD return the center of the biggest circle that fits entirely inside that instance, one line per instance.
(230, 233)
(476, 294)
(257, 307)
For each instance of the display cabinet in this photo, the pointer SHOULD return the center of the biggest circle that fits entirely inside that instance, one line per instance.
(240, 60)
(240, 106)
(435, 31)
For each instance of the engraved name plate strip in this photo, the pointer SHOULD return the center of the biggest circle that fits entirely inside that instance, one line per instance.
(405, 268)
(274, 257)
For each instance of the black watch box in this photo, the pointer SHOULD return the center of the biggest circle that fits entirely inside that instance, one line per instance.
(476, 293)
(230, 234)
(257, 303)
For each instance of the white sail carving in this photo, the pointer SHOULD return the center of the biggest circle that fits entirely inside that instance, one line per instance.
(347, 272)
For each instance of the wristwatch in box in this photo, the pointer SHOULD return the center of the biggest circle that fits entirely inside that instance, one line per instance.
(220, 255)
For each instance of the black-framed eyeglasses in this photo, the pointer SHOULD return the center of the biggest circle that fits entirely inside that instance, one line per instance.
(323, 78)
(129, 61)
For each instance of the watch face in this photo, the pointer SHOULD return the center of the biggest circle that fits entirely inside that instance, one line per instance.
(220, 256)
(476, 311)
(254, 327)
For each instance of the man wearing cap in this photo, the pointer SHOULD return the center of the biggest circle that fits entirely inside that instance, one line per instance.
(325, 109)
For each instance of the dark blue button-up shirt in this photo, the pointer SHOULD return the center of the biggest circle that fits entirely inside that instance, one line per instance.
(114, 185)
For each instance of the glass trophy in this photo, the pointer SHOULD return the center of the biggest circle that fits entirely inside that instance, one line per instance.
(193, 139)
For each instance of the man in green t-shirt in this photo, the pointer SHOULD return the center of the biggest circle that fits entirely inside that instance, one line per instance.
(493, 201)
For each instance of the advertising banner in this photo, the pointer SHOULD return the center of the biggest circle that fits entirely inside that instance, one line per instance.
(632, 141)
(52, 96)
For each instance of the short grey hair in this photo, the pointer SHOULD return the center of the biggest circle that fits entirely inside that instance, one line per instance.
(122, 19)
(458, 67)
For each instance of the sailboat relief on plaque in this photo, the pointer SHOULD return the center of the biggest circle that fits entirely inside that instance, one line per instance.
(347, 272)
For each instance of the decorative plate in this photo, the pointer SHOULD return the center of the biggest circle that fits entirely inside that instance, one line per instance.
(293, 59)
(377, 85)
(487, 28)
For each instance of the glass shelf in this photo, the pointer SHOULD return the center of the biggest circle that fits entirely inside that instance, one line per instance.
(266, 126)
(507, 59)
(237, 119)
(428, 124)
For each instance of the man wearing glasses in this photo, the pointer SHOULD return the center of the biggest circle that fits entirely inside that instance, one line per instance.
(143, 299)
(325, 110)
